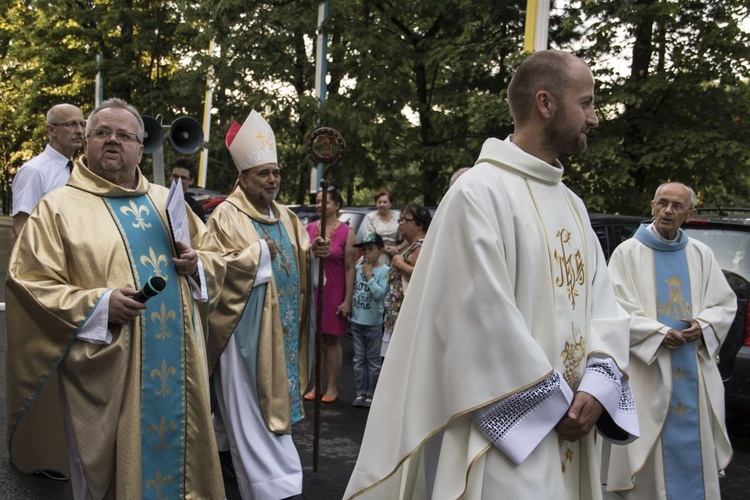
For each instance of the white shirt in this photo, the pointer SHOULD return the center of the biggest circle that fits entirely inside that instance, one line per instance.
(37, 177)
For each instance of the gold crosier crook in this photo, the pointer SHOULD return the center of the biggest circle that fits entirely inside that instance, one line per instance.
(325, 146)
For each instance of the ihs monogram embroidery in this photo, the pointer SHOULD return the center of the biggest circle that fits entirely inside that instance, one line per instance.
(675, 306)
(570, 267)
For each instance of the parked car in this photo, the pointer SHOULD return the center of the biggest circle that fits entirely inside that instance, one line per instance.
(727, 233)
(728, 236)
(612, 229)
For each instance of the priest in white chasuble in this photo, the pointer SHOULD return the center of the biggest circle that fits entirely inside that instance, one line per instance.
(510, 346)
(101, 387)
(682, 308)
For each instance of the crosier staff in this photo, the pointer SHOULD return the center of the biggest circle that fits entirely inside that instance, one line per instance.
(325, 146)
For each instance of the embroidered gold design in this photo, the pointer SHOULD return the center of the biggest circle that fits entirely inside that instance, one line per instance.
(571, 267)
(163, 375)
(158, 483)
(567, 454)
(162, 317)
(161, 431)
(284, 262)
(264, 141)
(675, 306)
(680, 409)
(572, 355)
(679, 374)
(137, 211)
(155, 262)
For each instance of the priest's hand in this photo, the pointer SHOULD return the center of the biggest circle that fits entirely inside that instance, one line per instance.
(122, 308)
(187, 260)
(694, 332)
(321, 248)
(674, 339)
(271, 247)
(580, 418)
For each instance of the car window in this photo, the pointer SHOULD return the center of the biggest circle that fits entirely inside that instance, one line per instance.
(729, 247)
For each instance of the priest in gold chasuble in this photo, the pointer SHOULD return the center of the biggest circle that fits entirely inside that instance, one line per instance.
(105, 389)
(260, 343)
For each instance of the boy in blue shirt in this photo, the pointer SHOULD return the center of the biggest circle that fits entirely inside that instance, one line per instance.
(366, 322)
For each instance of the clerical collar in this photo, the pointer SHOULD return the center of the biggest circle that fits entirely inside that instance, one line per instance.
(652, 228)
(270, 213)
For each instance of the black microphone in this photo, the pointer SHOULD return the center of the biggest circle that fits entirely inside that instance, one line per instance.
(154, 286)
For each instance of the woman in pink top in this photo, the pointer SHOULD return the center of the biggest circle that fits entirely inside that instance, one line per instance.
(337, 289)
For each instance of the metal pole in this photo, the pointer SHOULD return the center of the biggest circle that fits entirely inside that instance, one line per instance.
(203, 166)
(321, 67)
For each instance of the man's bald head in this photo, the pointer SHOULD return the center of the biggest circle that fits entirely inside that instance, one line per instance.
(547, 70)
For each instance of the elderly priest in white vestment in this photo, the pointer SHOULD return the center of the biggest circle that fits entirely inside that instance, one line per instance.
(682, 308)
(510, 346)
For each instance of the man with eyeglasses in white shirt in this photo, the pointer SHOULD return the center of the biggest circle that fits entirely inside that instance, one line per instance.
(50, 169)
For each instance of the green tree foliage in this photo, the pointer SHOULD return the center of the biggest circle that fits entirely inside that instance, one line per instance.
(680, 113)
(415, 87)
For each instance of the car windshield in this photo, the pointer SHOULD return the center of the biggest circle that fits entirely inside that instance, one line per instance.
(729, 248)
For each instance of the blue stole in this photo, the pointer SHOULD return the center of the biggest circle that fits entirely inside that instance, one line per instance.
(162, 374)
(681, 435)
(286, 278)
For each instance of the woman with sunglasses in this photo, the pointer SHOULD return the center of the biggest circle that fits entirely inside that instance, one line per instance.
(413, 224)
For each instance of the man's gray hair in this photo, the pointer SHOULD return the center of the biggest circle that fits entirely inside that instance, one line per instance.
(693, 198)
(118, 103)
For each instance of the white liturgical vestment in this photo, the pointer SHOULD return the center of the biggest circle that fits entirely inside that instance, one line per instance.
(509, 304)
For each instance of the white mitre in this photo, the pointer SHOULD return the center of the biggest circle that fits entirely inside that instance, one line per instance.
(253, 143)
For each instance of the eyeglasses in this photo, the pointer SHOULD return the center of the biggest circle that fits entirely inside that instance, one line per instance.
(103, 134)
(72, 125)
(404, 220)
(181, 178)
(677, 207)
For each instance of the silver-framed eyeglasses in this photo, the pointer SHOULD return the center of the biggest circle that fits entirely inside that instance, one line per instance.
(72, 125)
(677, 207)
(103, 134)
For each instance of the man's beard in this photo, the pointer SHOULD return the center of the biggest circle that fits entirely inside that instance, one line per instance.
(563, 138)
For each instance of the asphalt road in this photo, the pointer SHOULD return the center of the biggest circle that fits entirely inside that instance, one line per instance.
(341, 431)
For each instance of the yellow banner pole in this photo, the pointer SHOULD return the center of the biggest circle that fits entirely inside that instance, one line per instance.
(537, 25)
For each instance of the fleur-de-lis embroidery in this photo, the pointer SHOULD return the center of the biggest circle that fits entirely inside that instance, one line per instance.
(570, 267)
(675, 306)
(137, 211)
(680, 409)
(158, 484)
(164, 375)
(163, 317)
(155, 262)
(161, 431)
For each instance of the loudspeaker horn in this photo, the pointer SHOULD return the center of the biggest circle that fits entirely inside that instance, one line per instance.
(153, 136)
(185, 135)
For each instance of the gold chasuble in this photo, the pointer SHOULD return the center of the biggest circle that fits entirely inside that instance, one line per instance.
(139, 406)
(233, 223)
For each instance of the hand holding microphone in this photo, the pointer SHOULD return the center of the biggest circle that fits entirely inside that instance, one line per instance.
(121, 305)
(154, 286)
